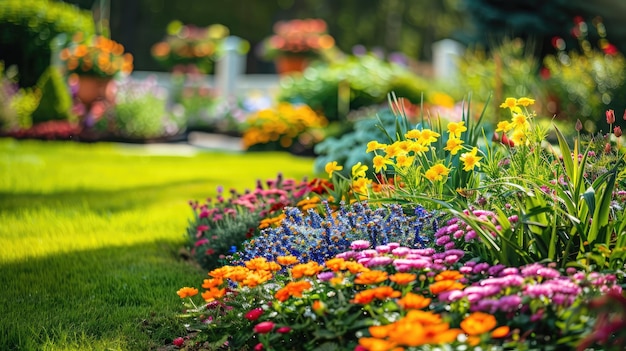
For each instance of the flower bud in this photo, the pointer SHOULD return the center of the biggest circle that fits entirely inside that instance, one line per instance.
(617, 131)
(579, 125)
(607, 148)
(264, 327)
(610, 116)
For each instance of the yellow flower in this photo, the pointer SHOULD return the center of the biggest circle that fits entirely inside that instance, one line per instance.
(453, 145)
(380, 163)
(511, 104)
(518, 137)
(504, 126)
(524, 101)
(331, 167)
(417, 148)
(404, 161)
(358, 170)
(413, 134)
(437, 172)
(393, 150)
(470, 160)
(520, 121)
(360, 185)
(456, 128)
(375, 145)
(428, 136)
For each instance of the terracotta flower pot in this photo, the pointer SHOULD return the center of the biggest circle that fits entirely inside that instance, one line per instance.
(92, 88)
(291, 63)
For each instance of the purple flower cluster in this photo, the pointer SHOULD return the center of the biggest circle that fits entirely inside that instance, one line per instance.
(508, 289)
(457, 233)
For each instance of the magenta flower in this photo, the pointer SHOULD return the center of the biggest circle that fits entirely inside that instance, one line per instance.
(178, 342)
(264, 327)
(360, 245)
(254, 314)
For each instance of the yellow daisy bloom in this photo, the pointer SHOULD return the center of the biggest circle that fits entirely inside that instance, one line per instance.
(404, 160)
(524, 101)
(504, 126)
(358, 170)
(456, 129)
(428, 136)
(332, 167)
(470, 160)
(454, 145)
(380, 163)
(375, 145)
(437, 172)
(413, 134)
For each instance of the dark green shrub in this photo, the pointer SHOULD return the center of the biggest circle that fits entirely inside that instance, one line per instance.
(56, 101)
(27, 28)
(362, 80)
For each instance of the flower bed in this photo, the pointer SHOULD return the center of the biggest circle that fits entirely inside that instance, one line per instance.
(517, 245)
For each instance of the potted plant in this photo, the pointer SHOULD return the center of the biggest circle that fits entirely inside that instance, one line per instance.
(191, 49)
(295, 43)
(93, 62)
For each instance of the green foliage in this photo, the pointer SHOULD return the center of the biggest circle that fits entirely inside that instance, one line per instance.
(27, 27)
(349, 84)
(24, 103)
(8, 89)
(55, 102)
(508, 69)
(587, 83)
(140, 112)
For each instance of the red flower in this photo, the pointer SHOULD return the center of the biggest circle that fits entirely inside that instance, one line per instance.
(283, 330)
(264, 327)
(610, 49)
(258, 347)
(254, 314)
(178, 342)
(617, 131)
(610, 116)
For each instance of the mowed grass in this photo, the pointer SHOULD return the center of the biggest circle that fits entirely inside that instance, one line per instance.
(90, 235)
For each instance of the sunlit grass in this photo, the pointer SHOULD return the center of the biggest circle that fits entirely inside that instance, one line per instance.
(90, 233)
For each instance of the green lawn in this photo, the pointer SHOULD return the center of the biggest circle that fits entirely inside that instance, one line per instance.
(90, 237)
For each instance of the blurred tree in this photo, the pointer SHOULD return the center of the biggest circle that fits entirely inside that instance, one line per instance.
(540, 20)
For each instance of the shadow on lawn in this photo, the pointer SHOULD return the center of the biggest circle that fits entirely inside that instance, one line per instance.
(114, 297)
(105, 201)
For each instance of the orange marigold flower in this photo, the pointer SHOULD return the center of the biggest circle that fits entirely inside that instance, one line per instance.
(305, 269)
(445, 285)
(221, 272)
(257, 263)
(355, 267)
(380, 331)
(374, 344)
(292, 289)
(187, 292)
(407, 333)
(238, 273)
(478, 323)
(256, 277)
(211, 283)
(443, 337)
(500, 332)
(403, 278)
(213, 293)
(336, 264)
(363, 297)
(415, 301)
(422, 317)
(287, 260)
(448, 275)
(371, 277)
(381, 293)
